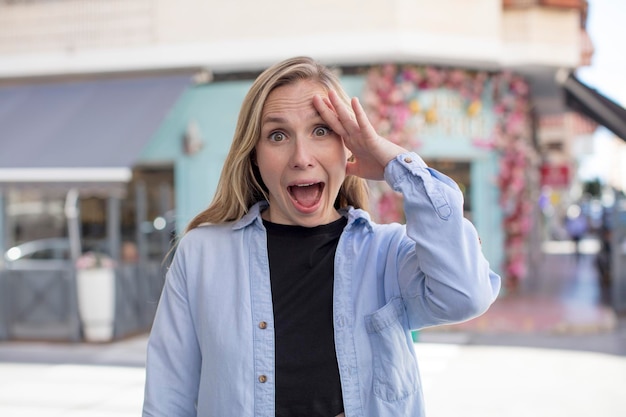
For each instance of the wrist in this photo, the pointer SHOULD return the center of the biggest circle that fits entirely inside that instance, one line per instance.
(390, 152)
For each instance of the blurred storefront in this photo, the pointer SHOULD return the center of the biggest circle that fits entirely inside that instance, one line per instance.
(132, 104)
(475, 126)
(72, 181)
(611, 229)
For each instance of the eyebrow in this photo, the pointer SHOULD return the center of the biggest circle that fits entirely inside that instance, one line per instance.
(274, 119)
(279, 119)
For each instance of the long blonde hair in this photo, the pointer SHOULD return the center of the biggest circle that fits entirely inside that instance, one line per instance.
(240, 185)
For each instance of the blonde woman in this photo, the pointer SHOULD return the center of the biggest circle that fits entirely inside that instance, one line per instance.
(284, 298)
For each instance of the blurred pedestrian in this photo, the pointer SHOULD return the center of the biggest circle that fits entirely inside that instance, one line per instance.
(284, 298)
(604, 255)
(576, 226)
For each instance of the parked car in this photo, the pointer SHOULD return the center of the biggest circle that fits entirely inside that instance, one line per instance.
(46, 253)
(50, 253)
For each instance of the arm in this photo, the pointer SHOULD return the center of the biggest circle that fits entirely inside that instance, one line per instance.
(442, 273)
(173, 361)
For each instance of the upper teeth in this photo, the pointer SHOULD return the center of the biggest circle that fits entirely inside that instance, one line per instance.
(305, 185)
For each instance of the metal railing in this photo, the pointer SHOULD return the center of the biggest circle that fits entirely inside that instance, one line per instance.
(39, 301)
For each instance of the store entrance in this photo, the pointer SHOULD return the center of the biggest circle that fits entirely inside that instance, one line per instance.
(52, 228)
(148, 211)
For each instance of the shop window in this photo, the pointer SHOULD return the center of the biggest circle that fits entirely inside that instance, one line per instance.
(93, 217)
(146, 215)
(34, 214)
(148, 211)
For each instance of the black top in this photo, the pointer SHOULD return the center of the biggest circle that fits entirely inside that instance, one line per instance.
(302, 273)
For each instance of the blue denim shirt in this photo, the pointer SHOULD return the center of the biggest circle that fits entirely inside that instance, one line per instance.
(211, 348)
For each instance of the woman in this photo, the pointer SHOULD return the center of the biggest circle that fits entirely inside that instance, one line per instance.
(284, 298)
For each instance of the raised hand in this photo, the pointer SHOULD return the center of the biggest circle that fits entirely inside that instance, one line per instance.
(370, 151)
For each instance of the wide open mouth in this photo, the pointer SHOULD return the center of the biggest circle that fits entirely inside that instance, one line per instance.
(306, 195)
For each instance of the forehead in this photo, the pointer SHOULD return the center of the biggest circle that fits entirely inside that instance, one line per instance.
(293, 96)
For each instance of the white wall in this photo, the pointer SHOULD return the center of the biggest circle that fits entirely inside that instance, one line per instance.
(79, 36)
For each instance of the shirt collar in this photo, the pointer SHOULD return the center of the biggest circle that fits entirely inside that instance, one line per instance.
(355, 217)
(253, 215)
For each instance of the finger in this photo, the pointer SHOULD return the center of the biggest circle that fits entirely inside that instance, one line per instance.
(344, 113)
(329, 104)
(327, 112)
(361, 117)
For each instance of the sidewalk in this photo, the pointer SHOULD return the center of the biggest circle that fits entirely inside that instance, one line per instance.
(458, 380)
(72, 380)
(489, 381)
(67, 390)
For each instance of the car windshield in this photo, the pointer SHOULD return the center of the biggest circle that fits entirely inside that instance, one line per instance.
(49, 249)
(42, 249)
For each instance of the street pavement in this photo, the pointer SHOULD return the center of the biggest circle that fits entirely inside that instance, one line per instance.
(68, 390)
(488, 381)
(534, 355)
(458, 380)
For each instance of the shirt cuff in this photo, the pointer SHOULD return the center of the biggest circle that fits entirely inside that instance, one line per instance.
(398, 167)
(410, 165)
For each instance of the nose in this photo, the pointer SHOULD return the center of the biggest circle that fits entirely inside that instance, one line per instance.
(302, 155)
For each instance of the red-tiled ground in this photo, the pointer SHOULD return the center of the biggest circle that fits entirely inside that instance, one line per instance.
(563, 296)
(519, 314)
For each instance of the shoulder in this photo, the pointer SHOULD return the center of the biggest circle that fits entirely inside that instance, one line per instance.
(207, 243)
(220, 234)
(360, 220)
(203, 235)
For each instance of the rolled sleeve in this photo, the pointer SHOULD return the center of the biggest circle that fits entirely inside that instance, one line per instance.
(443, 275)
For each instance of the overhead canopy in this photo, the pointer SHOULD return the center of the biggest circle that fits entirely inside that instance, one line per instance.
(82, 131)
(588, 101)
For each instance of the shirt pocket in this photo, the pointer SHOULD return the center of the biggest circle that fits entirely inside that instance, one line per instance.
(395, 373)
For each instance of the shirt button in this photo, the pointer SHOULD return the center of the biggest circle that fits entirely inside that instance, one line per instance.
(262, 379)
(263, 325)
(408, 160)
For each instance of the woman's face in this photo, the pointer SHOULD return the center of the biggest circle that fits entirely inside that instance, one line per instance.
(302, 162)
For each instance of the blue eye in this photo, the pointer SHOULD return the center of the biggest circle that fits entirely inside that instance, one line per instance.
(277, 136)
(321, 131)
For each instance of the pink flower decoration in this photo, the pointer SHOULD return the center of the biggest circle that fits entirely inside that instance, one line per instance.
(388, 92)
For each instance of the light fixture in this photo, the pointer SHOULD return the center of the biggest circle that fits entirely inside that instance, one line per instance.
(192, 139)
